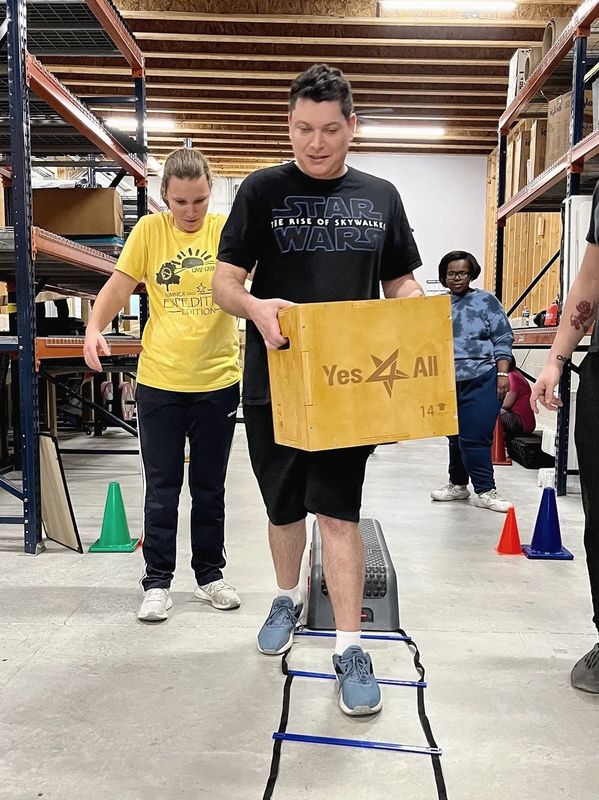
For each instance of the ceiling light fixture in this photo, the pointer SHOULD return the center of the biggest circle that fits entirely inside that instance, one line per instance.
(474, 6)
(129, 124)
(401, 132)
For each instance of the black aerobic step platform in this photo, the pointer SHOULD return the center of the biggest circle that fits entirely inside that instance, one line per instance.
(380, 610)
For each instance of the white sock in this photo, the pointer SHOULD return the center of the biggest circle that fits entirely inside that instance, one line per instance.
(345, 639)
(293, 594)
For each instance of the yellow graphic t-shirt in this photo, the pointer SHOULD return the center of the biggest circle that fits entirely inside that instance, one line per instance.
(189, 343)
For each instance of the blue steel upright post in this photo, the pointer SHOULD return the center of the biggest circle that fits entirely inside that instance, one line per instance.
(572, 188)
(142, 190)
(24, 269)
(500, 227)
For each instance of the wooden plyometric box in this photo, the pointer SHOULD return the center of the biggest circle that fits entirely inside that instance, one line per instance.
(364, 372)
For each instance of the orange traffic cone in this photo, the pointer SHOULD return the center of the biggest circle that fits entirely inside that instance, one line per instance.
(509, 541)
(498, 455)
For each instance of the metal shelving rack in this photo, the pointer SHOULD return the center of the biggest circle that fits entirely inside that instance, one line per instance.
(574, 173)
(47, 120)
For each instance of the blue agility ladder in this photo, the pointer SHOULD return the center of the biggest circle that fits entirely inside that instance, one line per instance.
(432, 751)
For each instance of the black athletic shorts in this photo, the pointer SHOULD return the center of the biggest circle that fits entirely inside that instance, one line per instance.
(295, 482)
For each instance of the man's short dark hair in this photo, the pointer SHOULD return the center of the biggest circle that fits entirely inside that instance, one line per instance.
(458, 255)
(320, 83)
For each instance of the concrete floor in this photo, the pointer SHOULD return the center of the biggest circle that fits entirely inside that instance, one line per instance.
(96, 706)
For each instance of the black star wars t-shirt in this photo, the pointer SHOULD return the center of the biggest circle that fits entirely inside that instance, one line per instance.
(593, 238)
(313, 241)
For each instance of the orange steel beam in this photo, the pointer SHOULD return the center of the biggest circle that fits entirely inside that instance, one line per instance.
(6, 177)
(72, 347)
(586, 148)
(119, 33)
(572, 161)
(70, 252)
(534, 336)
(534, 190)
(57, 96)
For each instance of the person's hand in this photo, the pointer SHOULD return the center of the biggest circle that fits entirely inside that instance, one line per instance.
(544, 389)
(265, 317)
(503, 386)
(94, 343)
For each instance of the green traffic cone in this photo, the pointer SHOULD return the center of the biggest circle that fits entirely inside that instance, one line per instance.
(114, 537)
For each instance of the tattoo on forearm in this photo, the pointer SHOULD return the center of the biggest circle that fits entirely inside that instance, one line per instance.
(585, 315)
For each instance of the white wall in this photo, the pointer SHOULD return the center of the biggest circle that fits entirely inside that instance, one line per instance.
(444, 197)
(220, 202)
(445, 200)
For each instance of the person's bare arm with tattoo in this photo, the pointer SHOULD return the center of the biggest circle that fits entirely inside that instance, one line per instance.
(580, 311)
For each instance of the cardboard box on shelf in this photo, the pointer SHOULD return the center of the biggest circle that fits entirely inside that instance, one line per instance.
(521, 153)
(79, 212)
(364, 372)
(538, 144)
(595, 93)
(509, 168)
(558, 125)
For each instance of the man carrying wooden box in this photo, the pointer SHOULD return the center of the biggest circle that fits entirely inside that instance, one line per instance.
(315, 230)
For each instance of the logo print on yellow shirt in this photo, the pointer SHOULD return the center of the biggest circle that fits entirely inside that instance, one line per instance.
(195, 261)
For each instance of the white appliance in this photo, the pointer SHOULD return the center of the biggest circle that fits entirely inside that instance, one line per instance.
(517, 72)
(576, 225)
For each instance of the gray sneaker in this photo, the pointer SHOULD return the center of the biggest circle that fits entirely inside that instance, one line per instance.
(276, 635)
(585, 674)
(359, 692)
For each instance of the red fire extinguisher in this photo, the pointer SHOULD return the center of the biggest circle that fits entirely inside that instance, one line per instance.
(551, 314)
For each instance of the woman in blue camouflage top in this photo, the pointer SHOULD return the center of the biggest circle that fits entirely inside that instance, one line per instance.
(482, 342)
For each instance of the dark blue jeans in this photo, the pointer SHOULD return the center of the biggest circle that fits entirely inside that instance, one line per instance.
(470, 451)
(164, 419)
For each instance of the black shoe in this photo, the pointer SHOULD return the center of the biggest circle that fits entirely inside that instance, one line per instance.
(585, 675)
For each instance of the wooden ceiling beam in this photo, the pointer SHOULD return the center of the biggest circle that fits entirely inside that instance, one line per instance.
(268, 127)
(333, 41)
(309, 19)
(235, 115)
(254, 137)
(287, 152)
(285, 145)
(314, 59)
(357, 92)
(78, 69)
(239, 103)
(399, 106)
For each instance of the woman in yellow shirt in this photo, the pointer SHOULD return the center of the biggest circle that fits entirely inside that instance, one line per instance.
(187, 379)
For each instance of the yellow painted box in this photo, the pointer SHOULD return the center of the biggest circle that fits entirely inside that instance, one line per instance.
(364, 372)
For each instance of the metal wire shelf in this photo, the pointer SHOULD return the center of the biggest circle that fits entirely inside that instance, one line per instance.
(75, 28)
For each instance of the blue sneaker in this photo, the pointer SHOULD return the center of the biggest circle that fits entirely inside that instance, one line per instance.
(359, 693)
(276, 635)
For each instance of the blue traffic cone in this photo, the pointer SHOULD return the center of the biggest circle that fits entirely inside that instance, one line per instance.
(546, 539)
